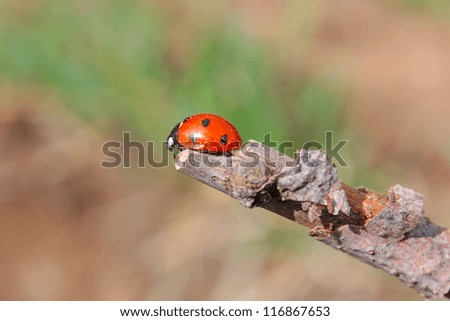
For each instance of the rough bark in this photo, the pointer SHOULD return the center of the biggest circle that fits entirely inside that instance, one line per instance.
(389, 232)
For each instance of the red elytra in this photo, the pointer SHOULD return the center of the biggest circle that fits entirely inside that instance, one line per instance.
(206, 133)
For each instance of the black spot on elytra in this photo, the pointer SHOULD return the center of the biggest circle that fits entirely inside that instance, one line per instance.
(224, 139)
(205, 122)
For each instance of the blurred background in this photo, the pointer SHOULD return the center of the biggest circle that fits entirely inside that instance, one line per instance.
(76, 74)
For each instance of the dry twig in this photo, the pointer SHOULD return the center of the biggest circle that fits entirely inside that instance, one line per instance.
(389, 232)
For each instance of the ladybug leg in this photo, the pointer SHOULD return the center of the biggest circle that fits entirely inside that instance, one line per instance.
(177, 149)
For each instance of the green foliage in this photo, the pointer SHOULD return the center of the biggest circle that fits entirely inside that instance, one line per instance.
(104, 61)
(319, 106)
(108, 62)
(439, 8)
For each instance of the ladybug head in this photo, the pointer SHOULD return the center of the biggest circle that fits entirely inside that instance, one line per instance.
(172, 139)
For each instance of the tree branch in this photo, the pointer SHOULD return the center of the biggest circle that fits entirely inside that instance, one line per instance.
(389, 232)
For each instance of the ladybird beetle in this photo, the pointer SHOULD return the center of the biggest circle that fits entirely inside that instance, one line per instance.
(207, 133)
